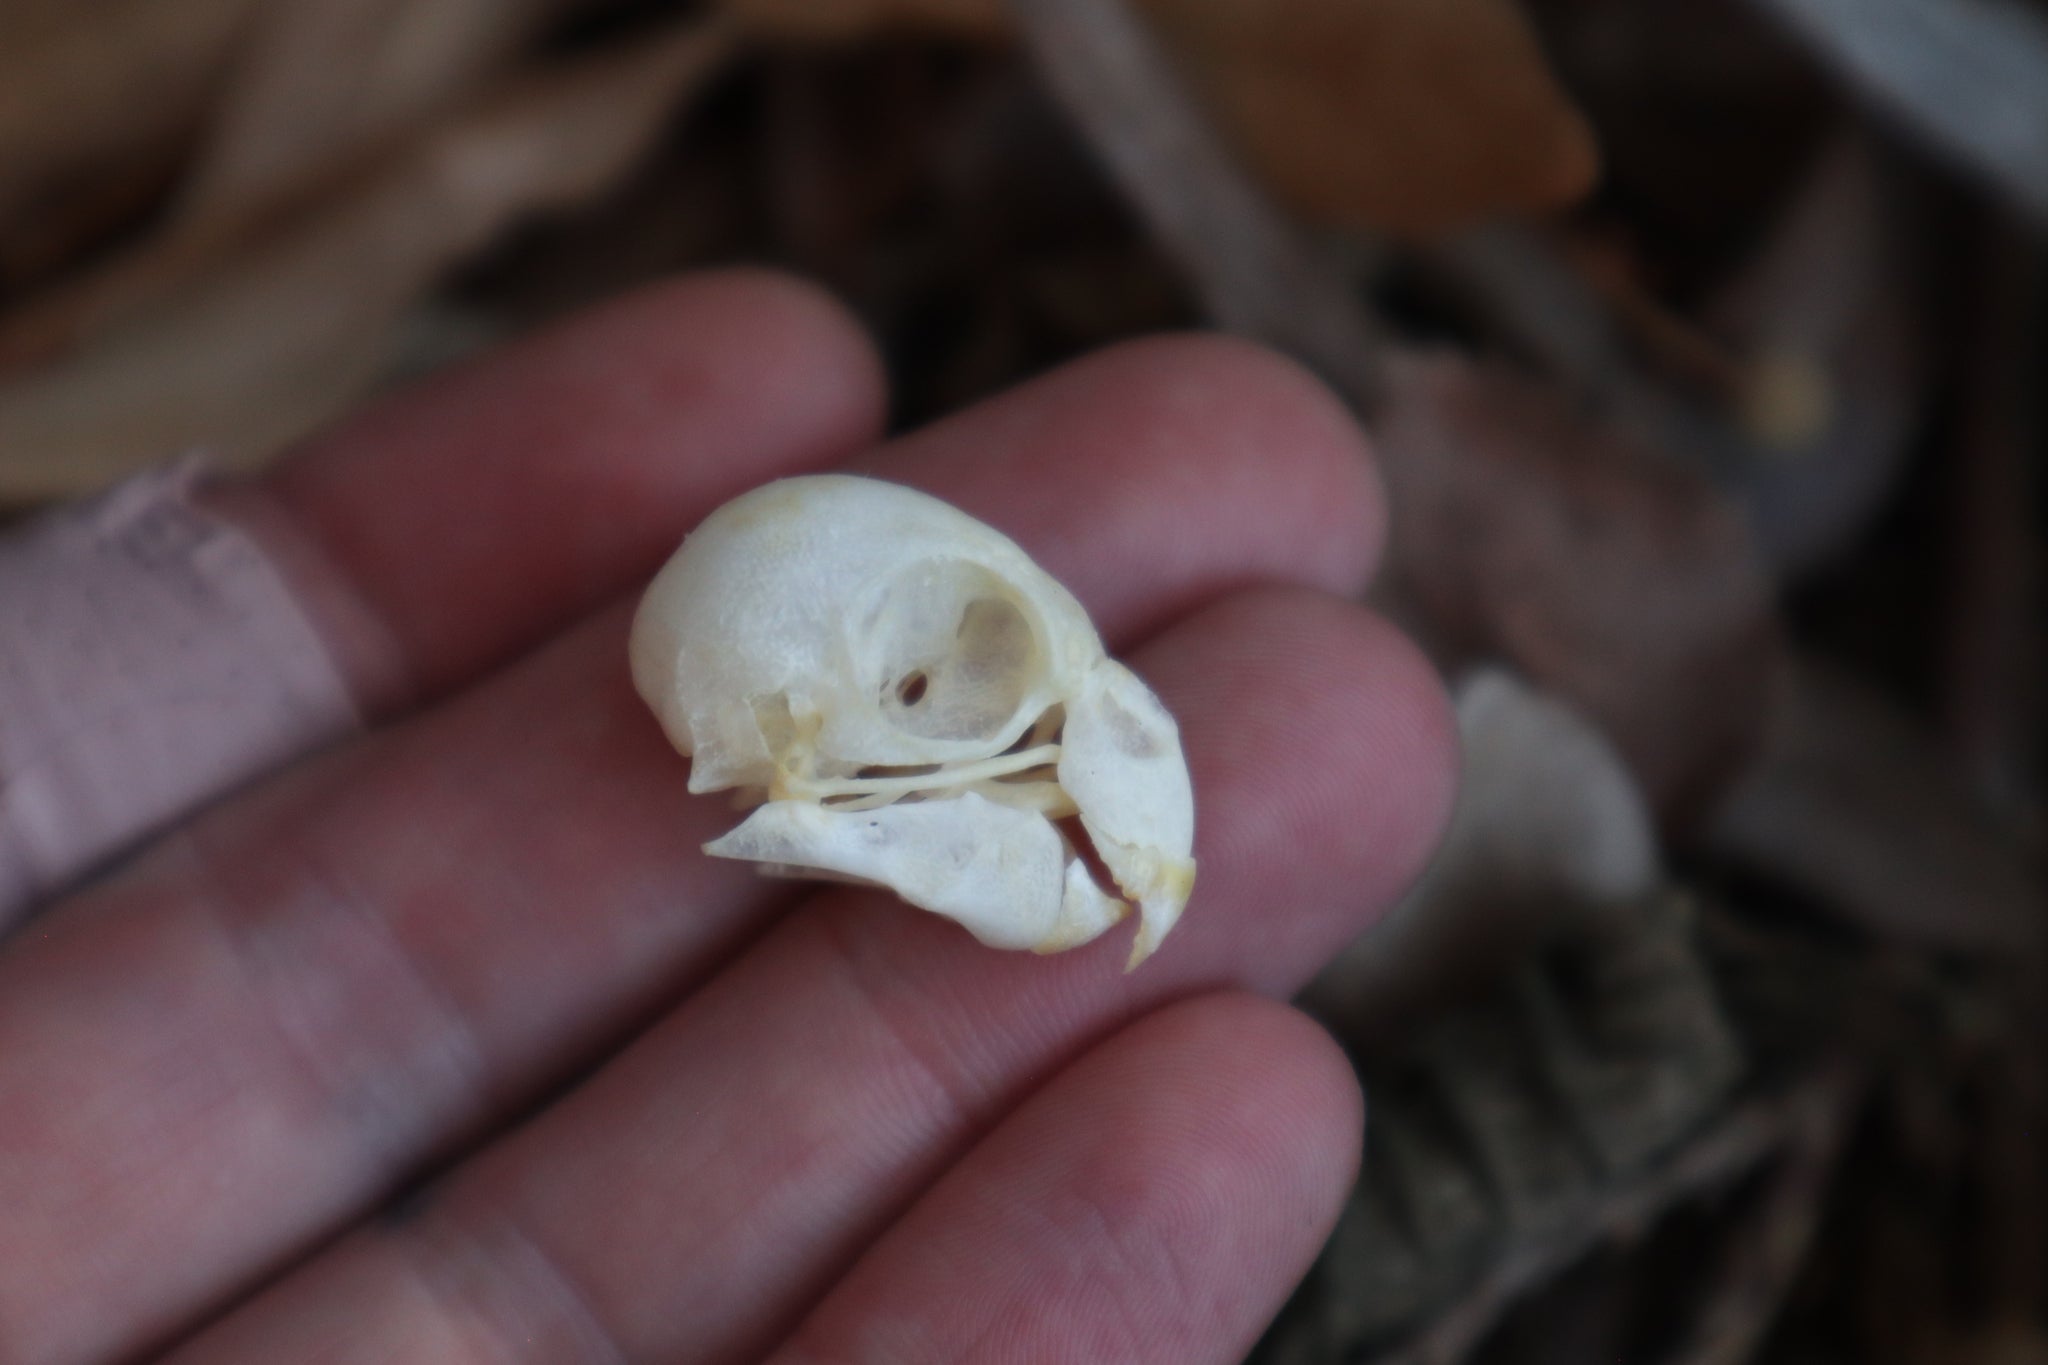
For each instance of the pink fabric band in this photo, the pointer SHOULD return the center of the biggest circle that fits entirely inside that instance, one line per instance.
(150, 658)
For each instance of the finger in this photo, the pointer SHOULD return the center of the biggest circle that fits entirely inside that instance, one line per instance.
(448, 528)
(1157, 1201)
(331, 979)
(1201, 439)
(692, 1199)
(416, 544)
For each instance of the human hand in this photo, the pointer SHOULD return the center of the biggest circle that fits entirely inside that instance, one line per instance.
(447, 1043)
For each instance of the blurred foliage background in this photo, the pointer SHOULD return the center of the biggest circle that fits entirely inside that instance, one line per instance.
(1698, 341)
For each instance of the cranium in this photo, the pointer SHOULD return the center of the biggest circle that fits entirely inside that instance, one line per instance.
(907, 700)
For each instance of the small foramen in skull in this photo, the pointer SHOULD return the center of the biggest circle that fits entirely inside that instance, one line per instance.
(908, 701)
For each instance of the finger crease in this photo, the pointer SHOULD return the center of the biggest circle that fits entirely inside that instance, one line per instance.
(960, 1104)
(495, 1276)
(382, 1043)
(1127, 1253)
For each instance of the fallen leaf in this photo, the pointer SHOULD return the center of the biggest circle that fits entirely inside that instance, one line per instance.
(82, 97)
(1546, 807)
(1550, 831)
(271, 343)
(318, 89)
(1569, 1104)
(1615, 579)
(322, 82)
(1410, 116)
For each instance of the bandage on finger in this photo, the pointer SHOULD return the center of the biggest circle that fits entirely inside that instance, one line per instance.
(152, 657)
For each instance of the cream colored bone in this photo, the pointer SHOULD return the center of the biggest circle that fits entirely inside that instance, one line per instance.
(912, 702)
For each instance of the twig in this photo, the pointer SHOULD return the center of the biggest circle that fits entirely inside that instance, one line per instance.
(1772, 1244)
(1723, 1154)
(1536, 303)
(1970, 75)
(1258, 274)
(1542, 308)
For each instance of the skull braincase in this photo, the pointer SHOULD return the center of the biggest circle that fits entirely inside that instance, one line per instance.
(914, 703)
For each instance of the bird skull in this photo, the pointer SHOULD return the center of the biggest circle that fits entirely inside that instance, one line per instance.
(907, 700)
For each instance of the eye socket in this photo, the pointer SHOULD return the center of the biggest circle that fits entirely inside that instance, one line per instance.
(953, 655)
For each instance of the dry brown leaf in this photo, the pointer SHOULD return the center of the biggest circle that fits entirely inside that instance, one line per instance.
(322, 81)
(273, 342)
(1612, 578)
(1411, 116)
(79, 97)
(317, 88)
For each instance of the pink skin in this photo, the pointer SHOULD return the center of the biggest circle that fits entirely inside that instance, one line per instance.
(222, 1062)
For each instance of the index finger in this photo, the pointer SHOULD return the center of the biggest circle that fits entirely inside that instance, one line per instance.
(418, 545)
(454, 525)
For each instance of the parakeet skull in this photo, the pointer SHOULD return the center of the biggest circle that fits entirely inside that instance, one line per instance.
(914, 703)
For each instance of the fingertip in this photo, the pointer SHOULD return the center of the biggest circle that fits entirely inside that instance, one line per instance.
(1272, 1074)
(1251, 471)
(1409, 731)
(1226, 1121)
(778, 334)
(1274, 436)
(1342, 726)
(1156, 1201)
